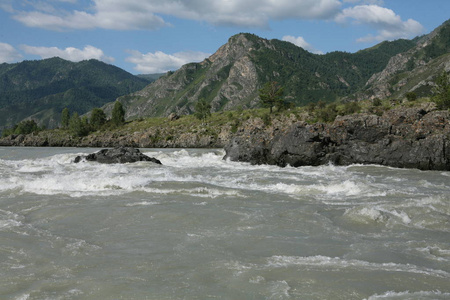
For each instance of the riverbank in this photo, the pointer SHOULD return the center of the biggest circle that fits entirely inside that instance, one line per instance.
(416, 137)
(410, 136)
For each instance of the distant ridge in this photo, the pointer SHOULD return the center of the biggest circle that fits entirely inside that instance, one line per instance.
(40, 89)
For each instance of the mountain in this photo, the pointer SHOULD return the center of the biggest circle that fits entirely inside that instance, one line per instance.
(150, 77)
(232, 76)
(41, 89)
(413, 70)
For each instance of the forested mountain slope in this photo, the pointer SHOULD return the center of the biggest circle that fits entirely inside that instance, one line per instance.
(41, 89)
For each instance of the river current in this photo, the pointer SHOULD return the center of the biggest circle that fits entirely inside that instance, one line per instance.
(199, 227)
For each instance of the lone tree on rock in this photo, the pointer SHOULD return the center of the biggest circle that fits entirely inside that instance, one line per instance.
(118, 114)
(272, 95)
(202, 110)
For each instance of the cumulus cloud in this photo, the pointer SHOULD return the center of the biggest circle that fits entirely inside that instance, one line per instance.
(389, 25)
(160, 62)
(119, 20)
(300, 41)
(8, 53)
(70, 53)
(377, 2)
(138, 14)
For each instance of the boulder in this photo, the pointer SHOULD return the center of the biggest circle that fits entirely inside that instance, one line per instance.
(119, 155)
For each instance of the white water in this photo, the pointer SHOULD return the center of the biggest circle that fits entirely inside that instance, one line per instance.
(199, 227)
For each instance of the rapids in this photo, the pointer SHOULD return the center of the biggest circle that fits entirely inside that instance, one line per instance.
(199, 227)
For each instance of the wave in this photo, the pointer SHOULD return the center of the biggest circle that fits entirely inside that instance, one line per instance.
(435, 295)
(212, 177)
(336, 264)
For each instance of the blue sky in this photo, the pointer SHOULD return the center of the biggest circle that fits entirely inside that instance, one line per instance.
(153, 36)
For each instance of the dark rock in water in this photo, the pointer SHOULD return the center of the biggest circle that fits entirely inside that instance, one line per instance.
(404, 138)
(118, 155)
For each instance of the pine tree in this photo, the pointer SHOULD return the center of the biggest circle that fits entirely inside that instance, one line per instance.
(118, 114)
(98, 118)
(272, 95)
(65, 117)
(202, 110)
(78, 126)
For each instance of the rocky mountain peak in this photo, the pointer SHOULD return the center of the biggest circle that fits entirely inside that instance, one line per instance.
(237, 46)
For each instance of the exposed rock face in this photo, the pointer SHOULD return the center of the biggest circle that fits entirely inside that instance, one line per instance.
(406, 138)
(412, 71)
(225, 78)
(117, 155)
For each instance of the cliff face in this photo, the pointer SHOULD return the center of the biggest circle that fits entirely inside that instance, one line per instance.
(406, 138)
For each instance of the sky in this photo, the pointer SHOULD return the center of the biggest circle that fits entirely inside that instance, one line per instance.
(155, 36)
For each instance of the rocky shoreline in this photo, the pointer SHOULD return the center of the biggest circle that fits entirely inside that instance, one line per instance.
(417, 137)
(153, 137)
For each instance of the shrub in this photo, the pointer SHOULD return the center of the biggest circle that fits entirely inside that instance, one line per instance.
(411, 96)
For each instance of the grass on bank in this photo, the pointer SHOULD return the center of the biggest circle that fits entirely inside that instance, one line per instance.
(311, 113)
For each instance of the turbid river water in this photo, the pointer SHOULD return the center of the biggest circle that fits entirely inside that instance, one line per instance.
(199, 227)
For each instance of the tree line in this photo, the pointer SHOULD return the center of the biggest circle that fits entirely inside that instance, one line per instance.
(82, 126)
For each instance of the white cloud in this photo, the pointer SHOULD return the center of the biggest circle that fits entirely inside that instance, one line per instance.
(70, 53)
(300, 41)
(160, 62)
(389, 25)
(377, 2)
(138, 14)
(8, 54)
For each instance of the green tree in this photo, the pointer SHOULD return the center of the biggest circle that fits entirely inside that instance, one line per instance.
(118, 114)
(24, 127)
(272, 95)
(98, 118)
(8, 131)
(442, 91)
(65, 118)
(78, 126)
(202, 110)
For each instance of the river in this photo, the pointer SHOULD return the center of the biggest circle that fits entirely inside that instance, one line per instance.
(199, 227)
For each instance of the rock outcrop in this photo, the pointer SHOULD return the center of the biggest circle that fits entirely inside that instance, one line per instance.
(414, 70)
(406, 138)
(117, 155)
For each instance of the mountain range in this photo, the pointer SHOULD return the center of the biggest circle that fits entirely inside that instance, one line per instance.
(232, 77)
(41, 89)
(229, 79)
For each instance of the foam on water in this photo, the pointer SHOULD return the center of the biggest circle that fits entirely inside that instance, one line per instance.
(200, 225)
(9, 220)
(411, 295)
(336, 263)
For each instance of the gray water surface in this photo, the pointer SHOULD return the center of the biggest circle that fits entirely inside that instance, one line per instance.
(198, 227)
